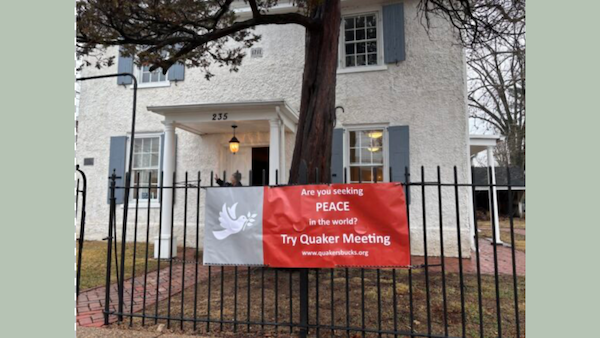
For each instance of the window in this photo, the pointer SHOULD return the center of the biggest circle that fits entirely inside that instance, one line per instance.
(366, 155)
(360, 41)
(145, 76)
(146, 162)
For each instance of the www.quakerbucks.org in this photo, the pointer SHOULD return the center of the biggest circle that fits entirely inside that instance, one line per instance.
(336, 253)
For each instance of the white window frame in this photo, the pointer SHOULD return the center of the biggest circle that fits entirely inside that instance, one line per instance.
(385, 144)
(143, 202)
(137, 71)
(342, 69)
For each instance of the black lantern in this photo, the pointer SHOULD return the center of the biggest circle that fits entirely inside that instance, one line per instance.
(234, 143)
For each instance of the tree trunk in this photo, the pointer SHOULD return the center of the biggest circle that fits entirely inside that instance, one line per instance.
(317, 104)
(515, 146)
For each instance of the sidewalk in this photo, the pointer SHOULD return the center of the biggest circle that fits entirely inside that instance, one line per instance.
(93, 332)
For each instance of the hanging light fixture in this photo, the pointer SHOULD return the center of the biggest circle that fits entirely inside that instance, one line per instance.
(234, 143)
(375, 134)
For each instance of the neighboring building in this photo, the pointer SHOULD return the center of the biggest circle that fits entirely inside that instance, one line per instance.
(402, 90)
(517, 187)
(491, 184)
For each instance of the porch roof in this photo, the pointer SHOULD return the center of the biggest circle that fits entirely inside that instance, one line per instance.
(479, 143)
(213, 118)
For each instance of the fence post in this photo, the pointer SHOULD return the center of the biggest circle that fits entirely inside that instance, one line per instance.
(112, 199)
(303, 179)
(82, 224)
(512, 245)
(121, 281)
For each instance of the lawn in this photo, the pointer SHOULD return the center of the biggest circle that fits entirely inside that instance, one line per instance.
(93, 270)
(485, 229)
(236, 305)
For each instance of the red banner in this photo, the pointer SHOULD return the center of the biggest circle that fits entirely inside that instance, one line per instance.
(325, 226)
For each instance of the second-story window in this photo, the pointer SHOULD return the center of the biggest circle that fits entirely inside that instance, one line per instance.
(360, 40)
(145, 76)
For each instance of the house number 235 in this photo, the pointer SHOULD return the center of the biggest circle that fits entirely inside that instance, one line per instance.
(219, 116)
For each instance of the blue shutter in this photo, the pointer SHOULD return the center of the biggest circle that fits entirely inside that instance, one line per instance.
(393, 33)
(176, 72)
(116, 163)
(399, 144)
(124, 65)
(337, 156)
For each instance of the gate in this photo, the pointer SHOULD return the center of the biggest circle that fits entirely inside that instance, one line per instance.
(80, 200)
(449, 290)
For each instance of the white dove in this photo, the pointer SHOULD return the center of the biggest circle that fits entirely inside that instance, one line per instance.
(231, 223)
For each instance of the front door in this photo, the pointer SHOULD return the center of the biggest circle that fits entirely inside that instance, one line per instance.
(260, 164)
(238, 162)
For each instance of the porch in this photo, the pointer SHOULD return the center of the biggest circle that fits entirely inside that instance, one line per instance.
(260, 124)
(261, 128)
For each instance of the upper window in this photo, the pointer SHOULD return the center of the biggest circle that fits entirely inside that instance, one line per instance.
(366, 155)
(360, 41)
(146, 162)
(145, 76)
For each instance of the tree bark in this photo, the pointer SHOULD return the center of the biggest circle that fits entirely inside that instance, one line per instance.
(317, 103)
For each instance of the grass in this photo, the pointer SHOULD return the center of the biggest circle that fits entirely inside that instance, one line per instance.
(505, 237)
(518, 223)
(93, 264)
(235, 305)
(486, 231)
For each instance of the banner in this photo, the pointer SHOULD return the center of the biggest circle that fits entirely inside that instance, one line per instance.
(307, 226)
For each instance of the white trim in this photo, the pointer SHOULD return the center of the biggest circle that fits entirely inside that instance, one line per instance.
(362, 69)
(136, 72)
(153, 85)
(479, 143)
(218, 106)
(362, 126)
(143, 203)
(385, 144)
(275, 126)
(237, 111)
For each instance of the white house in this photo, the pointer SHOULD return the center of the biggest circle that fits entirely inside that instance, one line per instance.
(402, 91)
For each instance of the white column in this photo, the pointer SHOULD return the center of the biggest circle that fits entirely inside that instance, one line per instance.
(283, 170)
(521, 205)
(494, 197)
(167, 197)
(274, 136)
(471, 209)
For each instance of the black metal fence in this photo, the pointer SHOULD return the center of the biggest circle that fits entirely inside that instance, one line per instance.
(80, 204)
(481, 295)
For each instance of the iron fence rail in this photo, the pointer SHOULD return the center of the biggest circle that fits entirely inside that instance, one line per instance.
(321, 302)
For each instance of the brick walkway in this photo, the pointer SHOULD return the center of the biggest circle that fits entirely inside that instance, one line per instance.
(486, 258)
(91, 302)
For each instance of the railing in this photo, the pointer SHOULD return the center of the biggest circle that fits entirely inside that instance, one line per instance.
(448, 291)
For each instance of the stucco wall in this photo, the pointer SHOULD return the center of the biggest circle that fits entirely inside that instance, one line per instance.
(425, 92)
